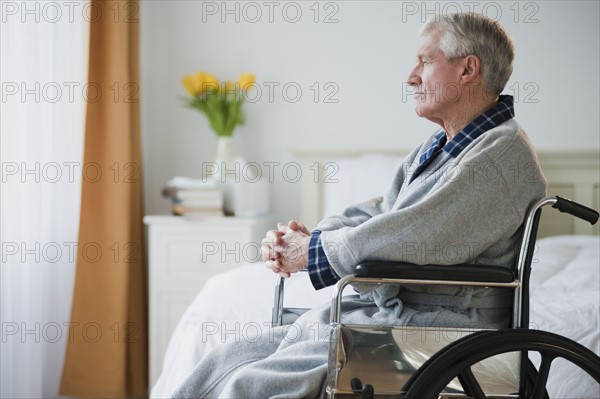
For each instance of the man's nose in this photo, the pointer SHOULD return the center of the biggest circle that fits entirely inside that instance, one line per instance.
(414, 79)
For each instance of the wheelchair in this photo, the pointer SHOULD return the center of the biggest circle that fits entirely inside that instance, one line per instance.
(422, 362)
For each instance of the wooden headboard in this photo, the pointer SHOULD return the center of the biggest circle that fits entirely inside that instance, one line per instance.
(574, 175)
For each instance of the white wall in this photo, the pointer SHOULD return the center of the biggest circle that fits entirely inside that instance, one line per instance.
(365, 54)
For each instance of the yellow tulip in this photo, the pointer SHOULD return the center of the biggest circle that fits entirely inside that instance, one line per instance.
(199, 80)
(246, 81)
(189, 85)
(194, 84)
(229, 86)
(210, 83)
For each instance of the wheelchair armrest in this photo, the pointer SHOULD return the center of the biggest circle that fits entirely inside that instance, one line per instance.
(463, 272)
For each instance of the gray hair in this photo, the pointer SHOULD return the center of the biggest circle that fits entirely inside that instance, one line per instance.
(471, 33)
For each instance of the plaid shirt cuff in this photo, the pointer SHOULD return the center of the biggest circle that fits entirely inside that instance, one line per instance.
(320, 271)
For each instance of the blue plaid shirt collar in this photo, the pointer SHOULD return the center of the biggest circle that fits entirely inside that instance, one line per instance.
(503, 111)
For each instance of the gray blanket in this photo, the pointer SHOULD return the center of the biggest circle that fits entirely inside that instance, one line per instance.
(291, 361)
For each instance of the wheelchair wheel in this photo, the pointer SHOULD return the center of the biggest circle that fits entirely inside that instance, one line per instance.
(456, 360)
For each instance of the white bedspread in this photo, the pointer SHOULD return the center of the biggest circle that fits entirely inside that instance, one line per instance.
(565, 299)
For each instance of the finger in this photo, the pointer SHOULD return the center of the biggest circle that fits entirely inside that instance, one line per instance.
(303, 228)
(281, 271)
(273, 233)
(269, 253)
(271, 249)
(274, 246)
(269, 242)
(274, 265)
(283, 228)
(274, 237)
(265, 253)
(298, 226)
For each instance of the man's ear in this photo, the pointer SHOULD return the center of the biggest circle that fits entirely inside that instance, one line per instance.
(471, 69)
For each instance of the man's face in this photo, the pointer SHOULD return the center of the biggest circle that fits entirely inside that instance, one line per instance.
(436, 81)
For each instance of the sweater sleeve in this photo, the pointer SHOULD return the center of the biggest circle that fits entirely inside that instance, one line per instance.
(471, 210)
(359, 213)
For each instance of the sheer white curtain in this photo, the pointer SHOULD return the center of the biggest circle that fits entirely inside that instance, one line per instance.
(43, 71)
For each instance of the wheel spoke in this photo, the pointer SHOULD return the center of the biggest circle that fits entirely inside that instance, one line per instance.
(542, 378)
(470, 384)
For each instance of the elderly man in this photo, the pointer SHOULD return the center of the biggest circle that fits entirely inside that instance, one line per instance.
(459, 197)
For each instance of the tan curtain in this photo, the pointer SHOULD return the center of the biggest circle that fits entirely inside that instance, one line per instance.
(107, 347)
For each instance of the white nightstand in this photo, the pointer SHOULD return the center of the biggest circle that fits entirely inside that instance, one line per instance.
(182, 255)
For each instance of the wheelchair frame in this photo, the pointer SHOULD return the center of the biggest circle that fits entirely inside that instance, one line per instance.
(456, 359)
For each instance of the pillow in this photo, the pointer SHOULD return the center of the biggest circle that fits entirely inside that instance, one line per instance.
(351, 180)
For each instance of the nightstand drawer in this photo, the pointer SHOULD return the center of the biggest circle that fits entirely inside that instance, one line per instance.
(184, 255)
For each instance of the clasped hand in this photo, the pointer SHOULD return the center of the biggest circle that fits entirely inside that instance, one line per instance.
(285, 250)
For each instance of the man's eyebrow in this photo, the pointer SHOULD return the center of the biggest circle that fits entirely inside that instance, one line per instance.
(423, 56)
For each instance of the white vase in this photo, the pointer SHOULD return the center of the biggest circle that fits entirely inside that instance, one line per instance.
(226, 172)
(225, 151)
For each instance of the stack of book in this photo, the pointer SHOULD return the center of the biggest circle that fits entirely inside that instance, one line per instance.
(194, 199)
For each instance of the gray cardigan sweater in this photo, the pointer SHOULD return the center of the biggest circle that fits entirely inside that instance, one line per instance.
(467, 209)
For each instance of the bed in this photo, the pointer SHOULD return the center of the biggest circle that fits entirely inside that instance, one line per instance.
(565, 282)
